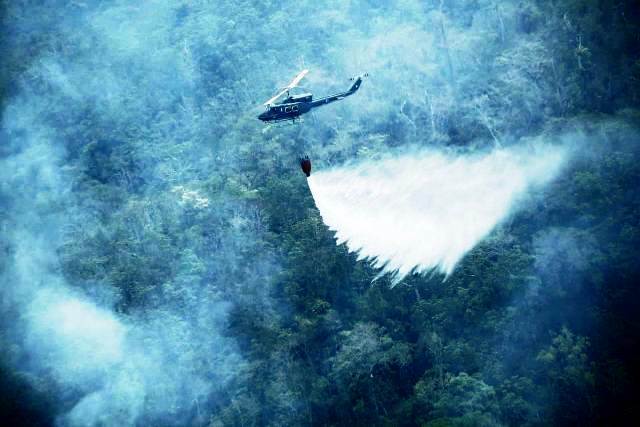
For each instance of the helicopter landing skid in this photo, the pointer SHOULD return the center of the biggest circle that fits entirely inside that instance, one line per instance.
(286, 122)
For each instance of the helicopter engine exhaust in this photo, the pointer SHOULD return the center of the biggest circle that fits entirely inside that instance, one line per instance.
(305, 165)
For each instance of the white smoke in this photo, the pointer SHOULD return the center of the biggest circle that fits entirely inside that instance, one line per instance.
(114, 367)
(79, 339)
(164, 362)
(424, 210)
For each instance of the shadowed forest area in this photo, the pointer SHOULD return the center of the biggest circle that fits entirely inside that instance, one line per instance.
(163, 262)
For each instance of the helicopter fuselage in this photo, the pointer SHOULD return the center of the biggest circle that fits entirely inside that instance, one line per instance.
(289, 109)
(293, 106)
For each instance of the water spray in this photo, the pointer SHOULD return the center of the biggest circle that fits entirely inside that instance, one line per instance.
(424, 210)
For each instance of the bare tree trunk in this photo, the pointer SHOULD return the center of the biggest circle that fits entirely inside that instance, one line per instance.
(445, 43)
(407, 118)
(501, 23)
(558, 85)
(431, 115)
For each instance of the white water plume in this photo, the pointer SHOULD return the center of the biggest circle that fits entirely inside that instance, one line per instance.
(424, 210)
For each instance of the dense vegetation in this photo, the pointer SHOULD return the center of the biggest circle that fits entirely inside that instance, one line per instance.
(133, 165)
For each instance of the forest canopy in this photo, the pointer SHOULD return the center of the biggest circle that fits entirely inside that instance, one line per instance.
(164, 263)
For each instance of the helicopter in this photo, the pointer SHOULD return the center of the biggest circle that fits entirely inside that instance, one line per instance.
(293, 106)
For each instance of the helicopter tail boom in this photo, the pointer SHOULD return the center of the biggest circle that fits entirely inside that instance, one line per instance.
(357, 81)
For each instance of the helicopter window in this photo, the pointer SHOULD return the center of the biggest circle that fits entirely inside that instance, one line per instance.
(287, 109)
(294, 108)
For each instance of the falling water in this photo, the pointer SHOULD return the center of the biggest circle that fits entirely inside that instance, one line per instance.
(425, 209)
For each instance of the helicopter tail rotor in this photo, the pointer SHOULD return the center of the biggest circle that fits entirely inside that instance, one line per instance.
(361, 76)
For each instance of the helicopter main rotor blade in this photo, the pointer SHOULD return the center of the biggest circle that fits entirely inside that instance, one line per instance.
(297, 79)
(269, 102)
(291, 85)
